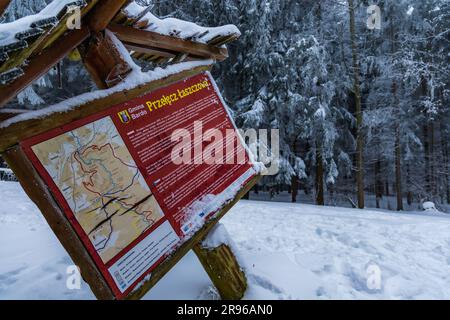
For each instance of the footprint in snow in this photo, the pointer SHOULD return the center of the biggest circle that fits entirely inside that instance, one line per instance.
(9, 278)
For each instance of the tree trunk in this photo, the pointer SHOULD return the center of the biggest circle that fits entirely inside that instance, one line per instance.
(409, 195)
(426, 141)
(319, 177)
(386, 184)
(433, 187)
(397, 144)
(378, 182)
(294, 178)
(359, 115)
(294, 188)
(398, 170)
(398, 164)
(426, 154)
(445, 159)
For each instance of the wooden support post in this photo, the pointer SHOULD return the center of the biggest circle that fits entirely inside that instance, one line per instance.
(223, 269)
(103, 61)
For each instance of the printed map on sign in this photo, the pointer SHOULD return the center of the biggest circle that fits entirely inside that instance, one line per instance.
(101, 183)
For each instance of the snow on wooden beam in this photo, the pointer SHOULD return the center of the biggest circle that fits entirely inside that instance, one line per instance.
(31, 38)
(42, 63)
(149, 50)
(144, 38)
(63, 16)
(9, 113)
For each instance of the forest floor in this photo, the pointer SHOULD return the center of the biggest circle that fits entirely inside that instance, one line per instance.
(289, 251)
(339, 200)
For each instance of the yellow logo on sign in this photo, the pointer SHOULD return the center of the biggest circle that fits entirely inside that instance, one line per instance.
(124, 116)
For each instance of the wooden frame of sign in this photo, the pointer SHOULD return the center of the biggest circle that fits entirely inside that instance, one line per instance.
(220, 263)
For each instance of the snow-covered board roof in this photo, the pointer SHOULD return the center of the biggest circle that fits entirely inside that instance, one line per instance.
(145, 20)
(141, 18)
(25, 38)
(30, 46)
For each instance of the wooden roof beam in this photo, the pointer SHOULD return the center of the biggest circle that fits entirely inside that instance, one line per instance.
(103, 13)
(139, 37)
(42, 63)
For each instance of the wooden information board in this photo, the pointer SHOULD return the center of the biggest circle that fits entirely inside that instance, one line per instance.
(109, 187)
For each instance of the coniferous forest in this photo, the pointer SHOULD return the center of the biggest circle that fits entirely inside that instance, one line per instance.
(363, 111)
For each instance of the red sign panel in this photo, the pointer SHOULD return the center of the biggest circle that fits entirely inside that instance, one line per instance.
(139, 179)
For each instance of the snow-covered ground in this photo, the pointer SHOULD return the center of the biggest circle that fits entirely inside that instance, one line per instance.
(290, 251)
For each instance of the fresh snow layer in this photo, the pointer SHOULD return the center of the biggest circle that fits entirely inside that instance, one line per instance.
(9, 30)
(289, 251)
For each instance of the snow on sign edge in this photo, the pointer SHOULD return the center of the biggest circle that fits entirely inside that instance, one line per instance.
(133, 80)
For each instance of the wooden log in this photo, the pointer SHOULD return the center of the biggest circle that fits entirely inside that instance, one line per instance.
(155, 40)
(39, 193)
(224, 271)
(104, 61)
(41, 64)
(19, 131)
(165, 267)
